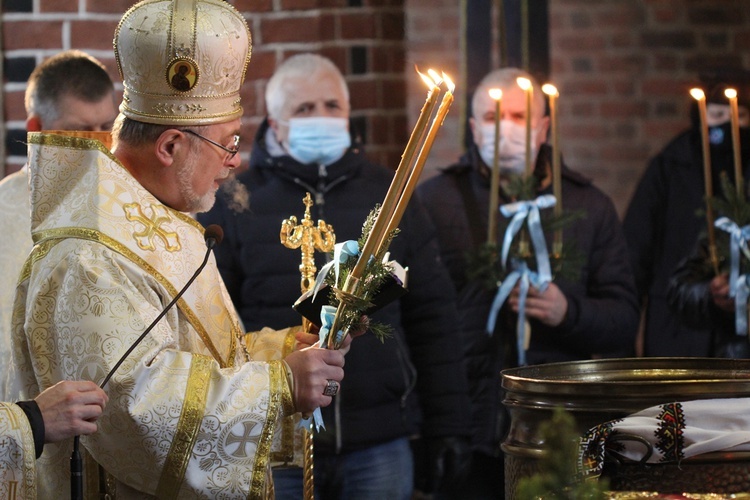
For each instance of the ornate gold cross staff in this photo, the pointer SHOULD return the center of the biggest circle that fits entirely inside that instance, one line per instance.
(308, 238)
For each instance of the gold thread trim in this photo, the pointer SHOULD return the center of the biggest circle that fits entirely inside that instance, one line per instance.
(191, 417)
(289, 424)
(44, 237)
(67, 141)
(26, 438)
(276, 371)
(37, 253)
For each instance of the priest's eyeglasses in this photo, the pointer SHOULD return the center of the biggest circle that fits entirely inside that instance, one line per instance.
(232, 151)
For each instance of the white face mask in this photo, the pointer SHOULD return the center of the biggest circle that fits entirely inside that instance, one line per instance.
(322, 140)
(512, 154)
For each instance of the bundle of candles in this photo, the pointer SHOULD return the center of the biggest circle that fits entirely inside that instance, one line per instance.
(497, 95)
(391, 211)
(700, 97)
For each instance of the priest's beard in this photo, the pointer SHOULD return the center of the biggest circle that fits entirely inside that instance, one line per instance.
(195, 203)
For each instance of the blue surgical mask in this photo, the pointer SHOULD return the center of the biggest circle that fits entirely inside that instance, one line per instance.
(512, 148)
(318, 139)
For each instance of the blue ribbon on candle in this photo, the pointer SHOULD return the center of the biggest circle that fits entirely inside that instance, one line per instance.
(738, 241)
(520, 273)
(342, 252)
(740, 305)
(529, 211)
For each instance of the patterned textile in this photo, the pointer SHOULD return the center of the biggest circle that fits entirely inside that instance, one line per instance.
(17, 461)
(668, 433)
(15, 245)
(190, 415)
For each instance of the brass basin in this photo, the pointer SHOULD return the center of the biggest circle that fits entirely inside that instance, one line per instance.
(597, 391)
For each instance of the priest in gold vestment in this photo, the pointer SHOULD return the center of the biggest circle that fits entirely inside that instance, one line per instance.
(194, 410)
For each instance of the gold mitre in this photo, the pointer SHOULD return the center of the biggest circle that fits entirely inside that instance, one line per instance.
(182, 62)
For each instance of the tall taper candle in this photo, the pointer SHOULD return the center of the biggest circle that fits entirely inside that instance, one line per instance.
(395, 191)
(736, 146)
(700, 96)
(551, 91)
(419, 163)
(525, 84)
(497, 95)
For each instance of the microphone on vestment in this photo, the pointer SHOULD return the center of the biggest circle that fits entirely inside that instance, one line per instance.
(213, 235)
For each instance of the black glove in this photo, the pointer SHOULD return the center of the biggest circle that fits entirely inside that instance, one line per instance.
(449, 461)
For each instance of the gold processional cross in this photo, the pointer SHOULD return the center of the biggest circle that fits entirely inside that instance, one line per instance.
(308, 238)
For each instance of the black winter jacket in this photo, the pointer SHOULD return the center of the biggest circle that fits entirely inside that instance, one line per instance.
(602, 315)
(689, 297)
(662, 226)
(413, 382)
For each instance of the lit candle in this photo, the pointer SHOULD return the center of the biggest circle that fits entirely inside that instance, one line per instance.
(700, 96)
(735, 122)
(551, 91)
(382, 221)
(497, 95)
(437, 122)
(397, 196)
(525, 84)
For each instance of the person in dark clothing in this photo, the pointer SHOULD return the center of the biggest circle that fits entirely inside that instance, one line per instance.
(411, 384)
(701, 300)
(594, 314)
(663, 223)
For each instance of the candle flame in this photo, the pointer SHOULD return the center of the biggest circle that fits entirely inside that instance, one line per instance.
(449, 83)
(435, 77)
(550, 90)
(496, 94)
(730, 93)
(524, 83)
(428, 80)
(697, 94)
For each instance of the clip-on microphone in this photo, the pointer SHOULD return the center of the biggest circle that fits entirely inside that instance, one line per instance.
(213, 235)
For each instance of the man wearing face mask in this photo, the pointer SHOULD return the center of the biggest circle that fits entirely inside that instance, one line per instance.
(573, 319)
(664, 221)
(411, 384)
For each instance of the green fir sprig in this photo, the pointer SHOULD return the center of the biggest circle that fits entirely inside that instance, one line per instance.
(375, 275)
(558, 477)
(483, 264)
(732, 206)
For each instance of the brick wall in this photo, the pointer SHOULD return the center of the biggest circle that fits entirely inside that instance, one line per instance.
(363, 37)
(623, 67)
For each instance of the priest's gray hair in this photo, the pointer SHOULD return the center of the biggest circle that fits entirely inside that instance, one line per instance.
(503, 79)
(135, 133)
(300, 66)
(71, 72)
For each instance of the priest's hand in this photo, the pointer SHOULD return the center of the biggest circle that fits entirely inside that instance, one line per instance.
(314, 370)
(70, 408)
(549, 306)
(719, 289)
